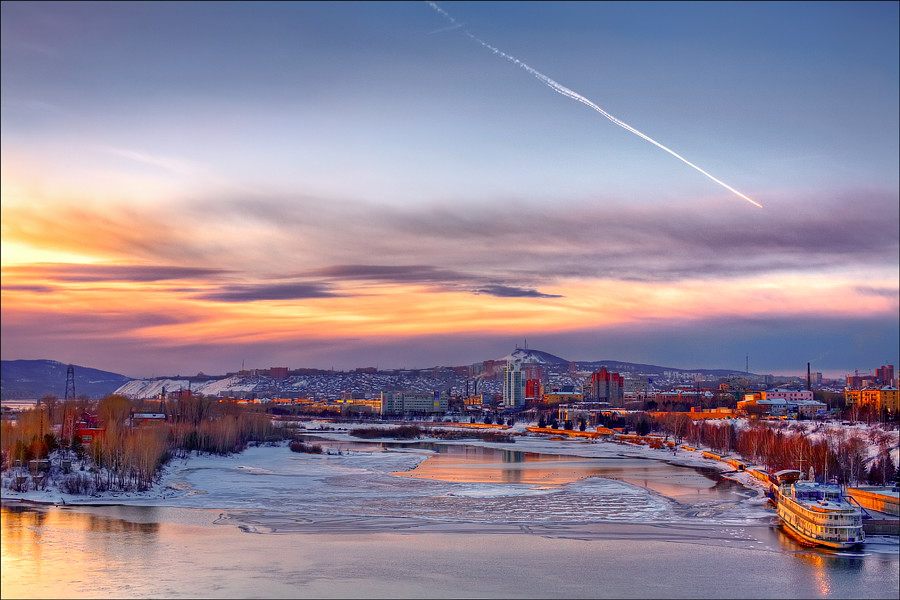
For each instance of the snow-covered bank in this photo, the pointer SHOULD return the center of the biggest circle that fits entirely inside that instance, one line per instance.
(215, 481)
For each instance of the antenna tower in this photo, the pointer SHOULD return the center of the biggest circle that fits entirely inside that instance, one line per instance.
(70, 383)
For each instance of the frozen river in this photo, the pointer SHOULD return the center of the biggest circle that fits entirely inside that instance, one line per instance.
(537, 518)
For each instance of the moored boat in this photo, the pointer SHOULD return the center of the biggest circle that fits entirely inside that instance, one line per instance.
(819, 514)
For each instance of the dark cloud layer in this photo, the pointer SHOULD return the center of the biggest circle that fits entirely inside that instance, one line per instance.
(505, 291)
(890, 294)
(430, 275)
(39, 289)
(393, 274)
(269, 291)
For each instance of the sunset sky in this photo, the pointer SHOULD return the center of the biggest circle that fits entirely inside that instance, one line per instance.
(195, 186)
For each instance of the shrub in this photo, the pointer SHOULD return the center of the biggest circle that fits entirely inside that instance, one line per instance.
(404, 432)
(306, 448)
(77, 483)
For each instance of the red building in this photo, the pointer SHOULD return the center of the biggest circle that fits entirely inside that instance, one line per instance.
(534, 389)
(88, 429)
(606, 387)
(278, 372)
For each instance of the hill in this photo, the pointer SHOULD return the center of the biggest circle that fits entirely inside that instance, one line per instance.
(39, 378)
(539, 357)
(618, 365)
(529, 356)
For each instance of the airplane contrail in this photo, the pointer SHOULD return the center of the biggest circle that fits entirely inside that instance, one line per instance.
(561, 89)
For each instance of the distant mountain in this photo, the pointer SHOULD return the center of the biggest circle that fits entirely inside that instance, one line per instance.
(39, 378)
(531, 356)
(539, 357)
(618, 365)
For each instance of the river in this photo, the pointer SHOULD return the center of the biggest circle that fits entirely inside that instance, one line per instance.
(431, 520)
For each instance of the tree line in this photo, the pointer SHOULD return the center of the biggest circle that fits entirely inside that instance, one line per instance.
(837, 454)
(127, 456)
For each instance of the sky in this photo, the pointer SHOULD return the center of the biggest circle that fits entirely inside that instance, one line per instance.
(197, 187)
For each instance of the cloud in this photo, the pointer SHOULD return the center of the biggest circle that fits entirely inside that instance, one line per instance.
(37, 289)
(443, 279)
(393, 274)
(426, 274)
(458, 246)
(120, 233)
(178, 166)
(889, 293)
(73, 272)
(33, 324)
(269, 291)
(505, 291)
(617, 241)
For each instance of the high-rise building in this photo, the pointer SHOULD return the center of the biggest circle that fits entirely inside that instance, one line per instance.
(513, 386)
(606, 387)
(885, 375)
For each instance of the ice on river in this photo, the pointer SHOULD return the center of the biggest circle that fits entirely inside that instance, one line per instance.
(611, 483)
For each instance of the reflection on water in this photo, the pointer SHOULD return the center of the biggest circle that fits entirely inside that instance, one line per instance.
(116, 552)
(478, 464)
(356, 530)
(827, 566)
(363, 532)
(39, 540)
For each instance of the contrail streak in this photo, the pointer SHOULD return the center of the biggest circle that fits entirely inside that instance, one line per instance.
(561, 89)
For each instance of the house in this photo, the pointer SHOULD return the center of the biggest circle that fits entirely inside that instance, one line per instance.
(145, 419)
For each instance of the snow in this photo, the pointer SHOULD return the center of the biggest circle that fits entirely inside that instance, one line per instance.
(873, 435)
(151, 388)
(523, 355)
(357, 483)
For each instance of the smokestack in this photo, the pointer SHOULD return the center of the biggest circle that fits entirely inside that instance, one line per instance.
(808, 379)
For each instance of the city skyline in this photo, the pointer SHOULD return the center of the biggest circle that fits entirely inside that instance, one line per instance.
(193, 186)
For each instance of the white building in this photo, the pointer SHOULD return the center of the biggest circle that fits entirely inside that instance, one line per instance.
(789, 395)
(398, 403)
(779, 406)
(513, 386)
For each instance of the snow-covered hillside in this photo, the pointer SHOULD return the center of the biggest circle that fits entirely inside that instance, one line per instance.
(151, 388)
(538, 357)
